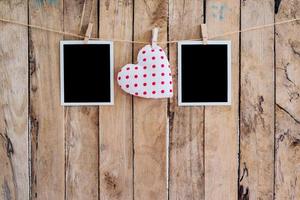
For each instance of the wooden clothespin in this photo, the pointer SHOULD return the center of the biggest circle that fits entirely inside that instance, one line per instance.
(154, 36)
(204, 33)
(88, 33)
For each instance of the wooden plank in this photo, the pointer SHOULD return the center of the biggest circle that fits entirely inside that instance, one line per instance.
(81, 123)
(14, 176)
(149, 119)
(287, 147)
(116, 149)
(186, 123)
(257, 101)
(221, 122)
(81, 126)
(46, 114)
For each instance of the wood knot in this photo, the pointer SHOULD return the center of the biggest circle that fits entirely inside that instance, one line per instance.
(260, 102)
(8, 144)
(243, 193)
(111, 183)
(9, 147)
(245, 172)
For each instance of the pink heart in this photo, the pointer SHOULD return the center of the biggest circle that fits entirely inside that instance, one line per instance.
(151, 77)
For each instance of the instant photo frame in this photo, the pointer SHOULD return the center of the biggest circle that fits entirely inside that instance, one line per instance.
(86, 73)
(204, 73)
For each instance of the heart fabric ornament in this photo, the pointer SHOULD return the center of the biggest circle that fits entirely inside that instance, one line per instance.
(151, 77)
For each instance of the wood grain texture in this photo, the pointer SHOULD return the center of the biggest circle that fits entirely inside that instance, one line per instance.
(81, 123)
(14, 177)
(81, 153)
(46, 114)
(150, 119)
(8, 189)
(287, 156)
(186, 123)
(287, 151)
(257, 101)
(116, 149)
(221, 122)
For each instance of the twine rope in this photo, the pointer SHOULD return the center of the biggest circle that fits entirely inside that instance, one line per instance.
(144, 42)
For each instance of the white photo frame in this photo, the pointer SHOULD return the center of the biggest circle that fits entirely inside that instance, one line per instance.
(62, 92)
(229, 86)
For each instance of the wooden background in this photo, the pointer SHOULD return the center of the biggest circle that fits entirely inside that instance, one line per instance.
(150, 149)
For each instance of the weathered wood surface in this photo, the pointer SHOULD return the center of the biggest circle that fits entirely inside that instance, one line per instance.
(186, 124)
(221, 123)
(149, 119)
(7, 181)
(257, 101)
(81, 123)
(287, 146)
(14, 184)
(121, 151)
(46, 115)
(116, 147)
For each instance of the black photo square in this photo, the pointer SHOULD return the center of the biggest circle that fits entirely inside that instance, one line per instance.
(204, 73)
(86, 73)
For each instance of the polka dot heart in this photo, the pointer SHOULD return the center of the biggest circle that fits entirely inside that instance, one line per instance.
(149, 78)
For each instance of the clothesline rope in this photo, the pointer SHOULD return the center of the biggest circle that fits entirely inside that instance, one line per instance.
(145, 42)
